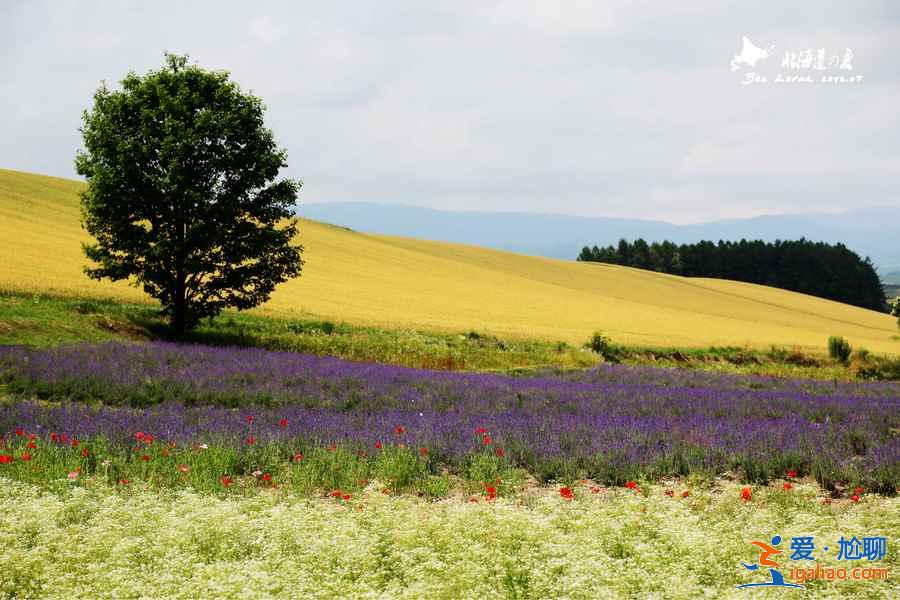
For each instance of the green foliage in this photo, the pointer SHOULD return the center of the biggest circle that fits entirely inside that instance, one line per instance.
(181, 195)
(40, 320)
(885, 368)
(603, 346)
(895, 309)
(816, 268)
(839, 349)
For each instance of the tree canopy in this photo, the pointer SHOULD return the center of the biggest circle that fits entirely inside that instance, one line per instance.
(182, 196)
(815, 268)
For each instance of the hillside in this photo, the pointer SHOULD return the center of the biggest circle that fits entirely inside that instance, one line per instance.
(866, 231)
(401, 282)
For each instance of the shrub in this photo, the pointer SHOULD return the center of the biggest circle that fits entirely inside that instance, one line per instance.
(883, 368)
(314, 328)
(839, 348)
(603, 346)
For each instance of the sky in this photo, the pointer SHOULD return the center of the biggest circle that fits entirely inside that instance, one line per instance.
(617, 108)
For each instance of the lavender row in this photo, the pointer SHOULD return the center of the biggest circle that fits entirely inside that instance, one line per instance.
(619, 420)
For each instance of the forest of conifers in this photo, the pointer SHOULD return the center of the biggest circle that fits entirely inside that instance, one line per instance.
(830, 271)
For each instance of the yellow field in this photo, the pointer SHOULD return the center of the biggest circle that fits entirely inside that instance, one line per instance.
(398, 282)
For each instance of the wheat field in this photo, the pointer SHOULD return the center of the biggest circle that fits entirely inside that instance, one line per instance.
(405, 283)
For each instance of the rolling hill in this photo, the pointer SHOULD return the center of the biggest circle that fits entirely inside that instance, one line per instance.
(407, 283)
(867, 231)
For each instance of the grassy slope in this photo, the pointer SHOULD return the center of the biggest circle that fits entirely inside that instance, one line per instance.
(396, 282)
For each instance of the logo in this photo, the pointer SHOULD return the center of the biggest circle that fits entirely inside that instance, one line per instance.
(750, 55)
(797, 65)
(765, 561)
(871, 548)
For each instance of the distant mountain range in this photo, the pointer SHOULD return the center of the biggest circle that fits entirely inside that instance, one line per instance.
(873, 232)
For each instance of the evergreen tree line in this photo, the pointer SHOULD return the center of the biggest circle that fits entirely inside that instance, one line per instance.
(816, 268)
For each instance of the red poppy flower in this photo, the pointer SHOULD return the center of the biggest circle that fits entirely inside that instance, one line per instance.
(566, 493)
(423, 451)
(855, 497)
(25, 457)
(123, 482)
(746, 494)
(788, 486)
(139, 435)
(685, 494)
(670, 493)
(486, 440)
(250, 419)
(345, 497)
(32, 436)
(499, 452)
(266, 477)
(792, 474)
(84, 452)
(595, 489)
(148, 439)
(298, 457)
(64, 438)
(145, 458)
(53, 436)
(858, 490)
(226, 480)
(399, 429)
(481, 430)
(251, 441)
(491, 492)
(32, 445)
(283, 423)
(75, 443)
(378, 445)
(20, 431)
(631, 485)
(335, 493)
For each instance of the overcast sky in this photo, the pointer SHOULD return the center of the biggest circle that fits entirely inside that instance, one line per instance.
(591, 108)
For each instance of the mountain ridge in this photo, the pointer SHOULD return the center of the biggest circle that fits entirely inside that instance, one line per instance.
(868, 231)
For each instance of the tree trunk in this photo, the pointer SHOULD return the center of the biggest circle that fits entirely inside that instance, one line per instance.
(179, 315)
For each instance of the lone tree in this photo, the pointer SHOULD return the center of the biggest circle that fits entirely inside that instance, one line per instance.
(182, 193)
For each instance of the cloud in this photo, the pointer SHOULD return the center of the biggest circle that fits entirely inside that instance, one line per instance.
(263, 29)
(620, 108)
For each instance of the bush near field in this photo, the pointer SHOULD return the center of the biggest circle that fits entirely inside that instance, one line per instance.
(44, 320)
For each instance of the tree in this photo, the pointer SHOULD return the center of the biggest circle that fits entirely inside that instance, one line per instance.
(817, 268)
(182, 196)
(585, 254)
(895, 309)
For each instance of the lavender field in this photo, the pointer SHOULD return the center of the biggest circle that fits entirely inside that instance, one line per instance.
(610, 424)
